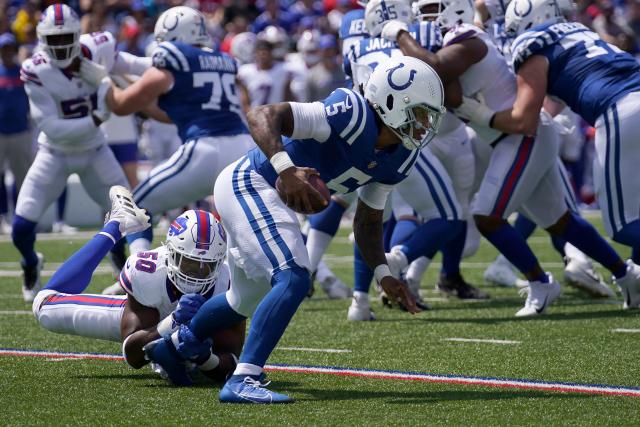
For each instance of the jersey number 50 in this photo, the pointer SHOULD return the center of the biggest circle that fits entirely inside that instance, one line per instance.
(220, 84)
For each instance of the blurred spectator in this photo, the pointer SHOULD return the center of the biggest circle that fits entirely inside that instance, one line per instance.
(608, 25)
(16, 142)
(26, 21)
(273, 15)
(327, 75)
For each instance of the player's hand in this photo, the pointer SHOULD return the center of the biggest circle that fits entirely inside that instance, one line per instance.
(475, 110)
(188, 346)
(187, 307)
(102, 112)
(398, 293)
(92, 72)
(296, 190)
(392, 29)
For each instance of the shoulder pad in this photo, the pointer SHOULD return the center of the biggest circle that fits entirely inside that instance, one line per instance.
(29, 69)
(535, 41)
(144, 285)
(169, 57)
(99, 47)
(459, 33)
(346, 113)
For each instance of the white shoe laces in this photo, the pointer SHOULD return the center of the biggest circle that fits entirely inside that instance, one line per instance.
(255, 383)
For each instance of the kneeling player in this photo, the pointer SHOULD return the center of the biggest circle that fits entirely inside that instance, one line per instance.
(165, 287)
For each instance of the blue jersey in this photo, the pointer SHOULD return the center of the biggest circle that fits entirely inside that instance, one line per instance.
(352, 25)
(14, 104)
(588, 74)
(203, 100)
(371, 51)
(348, 159)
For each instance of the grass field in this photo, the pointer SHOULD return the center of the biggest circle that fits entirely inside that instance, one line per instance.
(574, 343)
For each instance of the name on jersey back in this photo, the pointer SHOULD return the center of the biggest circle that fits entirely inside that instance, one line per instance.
(217, 63)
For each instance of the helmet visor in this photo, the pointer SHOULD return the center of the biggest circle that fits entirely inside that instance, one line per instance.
(422, 125)
(61, 46)
(196, 269)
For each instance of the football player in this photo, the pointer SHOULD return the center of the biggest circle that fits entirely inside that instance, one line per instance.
(164, 286)
(597, 81)
(68, 111)
(194, 87)
(522, 173)
(365, 143)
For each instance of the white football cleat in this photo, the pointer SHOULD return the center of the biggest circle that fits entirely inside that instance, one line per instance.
(360, 310)
(114, 289)
(62, 228)
(500, 272)
(629, 286)
(335, 288)
(540, 296)
(397, 261)
(131, 218)
(32, 279)
(581, 274)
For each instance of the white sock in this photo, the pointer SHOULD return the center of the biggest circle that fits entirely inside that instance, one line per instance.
(247, 369)
(323, 272)
(317, 244)
(417, 268)
(139, 245)
(575, 253)
(361, 297)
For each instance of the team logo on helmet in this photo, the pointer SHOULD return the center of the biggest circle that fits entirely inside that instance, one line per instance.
(526, 11)
(178, 226)
(403, 86)
(172, 26)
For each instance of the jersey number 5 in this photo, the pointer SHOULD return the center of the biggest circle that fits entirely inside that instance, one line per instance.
(220, 84)
(348, 181)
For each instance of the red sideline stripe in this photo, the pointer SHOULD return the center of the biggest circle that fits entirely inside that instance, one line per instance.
(473, 381)
(513, 176)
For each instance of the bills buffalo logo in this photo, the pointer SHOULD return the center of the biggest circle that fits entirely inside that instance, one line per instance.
(178, 226)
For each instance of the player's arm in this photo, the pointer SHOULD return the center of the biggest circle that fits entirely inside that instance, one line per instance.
(138, 327)
(367, 229)
(523, 117)
(451, 61)
(267, 124)
(145, 91)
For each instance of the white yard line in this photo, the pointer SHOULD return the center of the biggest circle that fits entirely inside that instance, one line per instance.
(314, 350)
(626, 331)
(477, 340)
(14, 312)
(47, 273)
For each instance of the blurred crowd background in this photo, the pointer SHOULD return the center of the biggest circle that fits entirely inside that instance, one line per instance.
(303, 33)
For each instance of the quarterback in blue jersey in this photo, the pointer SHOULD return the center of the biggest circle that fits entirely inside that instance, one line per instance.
(599, 82)
(194, 87)
(353, 143)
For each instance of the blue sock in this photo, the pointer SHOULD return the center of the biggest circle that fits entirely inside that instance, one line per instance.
(289, 288)
(61, 205)
(512, 245)
(583, 236)
(215, 315)
(524, 226)
(328, 221)
(430, 237)
(558, 244)
(452, 253)
(387, 232)
(363, 275)
(629, 234)
(74, 275)
(24, 238)
(4, 208)
(403, 231)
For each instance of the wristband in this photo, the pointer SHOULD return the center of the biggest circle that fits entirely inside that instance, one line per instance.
(281, 161)
(167, 326)
(211, 363)
(381, 272)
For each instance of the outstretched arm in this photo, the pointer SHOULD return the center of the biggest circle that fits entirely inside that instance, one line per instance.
(144, 92)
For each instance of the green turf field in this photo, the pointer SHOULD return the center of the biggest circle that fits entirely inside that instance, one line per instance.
(575, 342)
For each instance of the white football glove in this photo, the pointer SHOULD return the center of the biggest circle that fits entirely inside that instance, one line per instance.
(392, 28)
(475, 110)
(92, 72)
(102, 111)
(564, 124)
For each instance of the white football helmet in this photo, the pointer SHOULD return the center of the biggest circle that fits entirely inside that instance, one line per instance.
(278, 39)
(408, 96)
(521, 15)
(59, 33)
(196, 243)
(448, 13)
(379, 12)
(243, 47)
(182, 24)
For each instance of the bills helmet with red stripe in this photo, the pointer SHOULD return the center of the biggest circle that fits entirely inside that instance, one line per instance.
(59, 33)
(196, 244)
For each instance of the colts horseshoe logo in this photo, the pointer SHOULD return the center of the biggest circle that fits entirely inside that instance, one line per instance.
(169, 27)
(527, 8)
(412, 73)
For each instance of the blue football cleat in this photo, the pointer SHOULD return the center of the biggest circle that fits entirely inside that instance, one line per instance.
(163, 353)
(249, 389)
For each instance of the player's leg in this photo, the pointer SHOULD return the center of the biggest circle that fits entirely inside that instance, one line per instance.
(45, 180)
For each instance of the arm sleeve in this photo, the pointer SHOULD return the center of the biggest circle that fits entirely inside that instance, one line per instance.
(45, 113)
(375, 194)
(310, 121)
(130, 64)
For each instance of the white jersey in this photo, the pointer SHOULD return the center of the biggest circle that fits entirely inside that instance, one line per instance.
(264, 86)
(144, 277)
(490, 78)
(120, 130)
(61, 103)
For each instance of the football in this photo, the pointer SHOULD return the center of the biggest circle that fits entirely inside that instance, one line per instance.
(317, 183)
